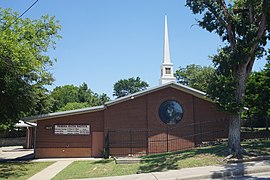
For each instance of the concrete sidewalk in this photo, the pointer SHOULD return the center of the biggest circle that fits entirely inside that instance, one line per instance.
(207, 172)
(15, 153)
(55, 168)
(51, 171)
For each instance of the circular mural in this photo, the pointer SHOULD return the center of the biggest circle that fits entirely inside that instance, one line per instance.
(170, 112)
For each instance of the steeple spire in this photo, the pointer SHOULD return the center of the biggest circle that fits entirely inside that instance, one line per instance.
(167, 66)
(166, 55)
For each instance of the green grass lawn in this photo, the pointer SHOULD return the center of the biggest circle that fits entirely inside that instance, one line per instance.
(248, 129)
(211, 155)
(90, 169)
(21, 170)
(257, 147)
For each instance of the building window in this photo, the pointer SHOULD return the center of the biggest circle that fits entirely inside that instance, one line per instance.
(170, 112)
(168, 70)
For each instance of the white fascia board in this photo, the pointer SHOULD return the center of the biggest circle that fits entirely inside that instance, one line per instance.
(186, 89)
(63, 113)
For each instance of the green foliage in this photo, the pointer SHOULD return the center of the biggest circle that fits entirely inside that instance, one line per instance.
(44, 102)
(238, 18)
(69, 97)
(24, 64)
(258, 94)
(74, 105)
(221, 89)
(5, 127)
(102, 98)
(195, 76)
(222, 84)
(244, 26)
(85, 95)
(124, 87)
(63, 95)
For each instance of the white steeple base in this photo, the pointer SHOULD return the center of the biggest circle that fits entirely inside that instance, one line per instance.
(166, 74)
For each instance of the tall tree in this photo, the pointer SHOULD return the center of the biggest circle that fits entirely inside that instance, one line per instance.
(124, 87)
(23, 62)
(43, 103)
(92, 99)
(195, 76)
(63, 95)
(244, 25)
(258, 95)
(69, 97)
(102, 98)
(74, 105)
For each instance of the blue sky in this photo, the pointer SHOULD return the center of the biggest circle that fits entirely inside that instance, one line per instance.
(105, 41)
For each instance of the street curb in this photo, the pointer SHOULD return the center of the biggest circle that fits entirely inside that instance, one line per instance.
(125, 160)
(229, 173)
(259, 158)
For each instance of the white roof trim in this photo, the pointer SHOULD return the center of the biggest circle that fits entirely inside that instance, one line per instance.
(25, 124)
(186, 89)
(63, 113)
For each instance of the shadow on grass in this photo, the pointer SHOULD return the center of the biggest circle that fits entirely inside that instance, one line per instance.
(238, 170)
(12, 170)
(259, 147)
(231, 170)
(169, 161)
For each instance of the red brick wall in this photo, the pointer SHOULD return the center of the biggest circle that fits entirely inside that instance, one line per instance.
(155, 99)
(138, 113)
(180, 130)
(211, 119)
(125, 115)
(142, 113)
(62, 152)
(66, 144)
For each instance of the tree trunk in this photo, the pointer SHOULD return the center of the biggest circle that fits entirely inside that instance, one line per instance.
(266, 124)
(234, 146)
(250, 120)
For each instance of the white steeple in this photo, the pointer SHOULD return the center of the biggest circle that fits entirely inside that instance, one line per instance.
(166, 67)
(166, 58)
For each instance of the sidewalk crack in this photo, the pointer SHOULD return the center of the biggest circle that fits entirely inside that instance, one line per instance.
(154, 176)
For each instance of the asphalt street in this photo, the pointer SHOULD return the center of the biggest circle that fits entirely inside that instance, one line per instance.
(258, 176)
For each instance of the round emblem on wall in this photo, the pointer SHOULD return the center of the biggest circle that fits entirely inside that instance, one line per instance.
(170, 112)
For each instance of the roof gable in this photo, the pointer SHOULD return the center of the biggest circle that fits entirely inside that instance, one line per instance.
(183, 88)
(180, 87)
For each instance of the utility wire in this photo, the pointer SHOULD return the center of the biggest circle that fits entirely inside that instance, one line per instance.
(21, 15)
(27, 9)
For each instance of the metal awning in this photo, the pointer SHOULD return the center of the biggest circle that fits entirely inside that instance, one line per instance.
(25, 124)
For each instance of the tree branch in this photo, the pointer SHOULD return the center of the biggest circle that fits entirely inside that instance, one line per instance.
(212, 10)
(225, 22)
(228, 17)
(251, 18)
(260, 33)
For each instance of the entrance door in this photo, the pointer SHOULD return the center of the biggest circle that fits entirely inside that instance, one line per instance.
(97, 143)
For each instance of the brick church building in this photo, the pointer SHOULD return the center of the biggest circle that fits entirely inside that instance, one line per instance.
(165, 118)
